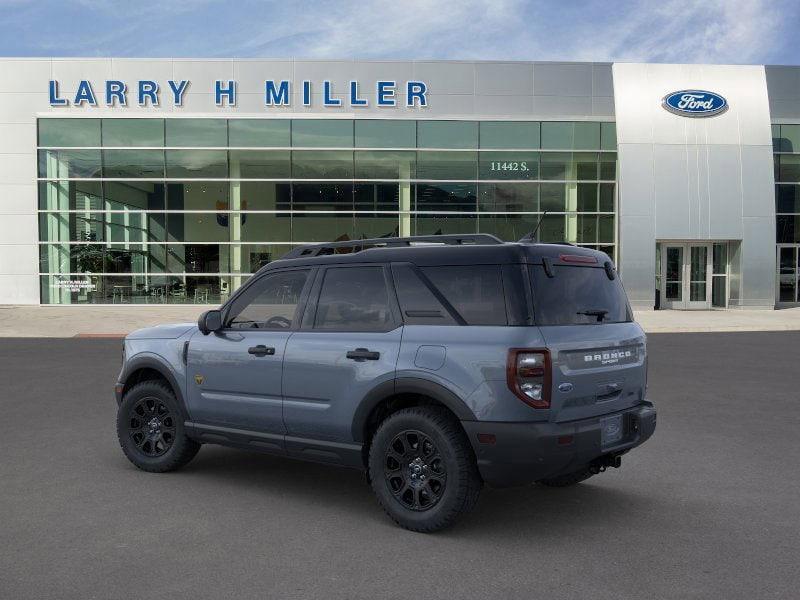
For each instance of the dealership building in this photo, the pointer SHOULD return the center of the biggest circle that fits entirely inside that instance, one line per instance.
(167, 181)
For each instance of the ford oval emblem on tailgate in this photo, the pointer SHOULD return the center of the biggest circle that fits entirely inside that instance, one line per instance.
(565, 387)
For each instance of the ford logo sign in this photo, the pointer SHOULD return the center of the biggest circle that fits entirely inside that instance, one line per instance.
(695, 103)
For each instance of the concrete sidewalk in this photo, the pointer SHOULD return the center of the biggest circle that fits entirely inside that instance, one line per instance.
(101, 321)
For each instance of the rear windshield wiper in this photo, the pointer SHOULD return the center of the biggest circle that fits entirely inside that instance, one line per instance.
(599, 313)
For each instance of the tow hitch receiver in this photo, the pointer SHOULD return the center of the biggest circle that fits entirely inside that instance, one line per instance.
(604, 462)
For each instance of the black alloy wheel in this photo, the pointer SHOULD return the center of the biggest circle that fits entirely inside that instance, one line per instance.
(415, 471)
(151, 427)
(422, 468)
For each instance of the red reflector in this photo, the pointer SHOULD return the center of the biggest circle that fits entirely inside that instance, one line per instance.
(487, 438)
(565, 440)
(531, 371)
(577, 258)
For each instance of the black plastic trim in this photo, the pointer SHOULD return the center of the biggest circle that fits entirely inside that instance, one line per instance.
(406, 385)
(148, 362)
(339, 453)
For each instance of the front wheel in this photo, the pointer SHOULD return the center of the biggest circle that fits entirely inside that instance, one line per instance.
(422, 469)
(151, 431)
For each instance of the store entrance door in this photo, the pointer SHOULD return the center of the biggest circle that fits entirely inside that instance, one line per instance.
(686, 275)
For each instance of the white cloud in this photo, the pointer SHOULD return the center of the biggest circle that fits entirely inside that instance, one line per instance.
(736, 31)
(715, 31)
(712, 31)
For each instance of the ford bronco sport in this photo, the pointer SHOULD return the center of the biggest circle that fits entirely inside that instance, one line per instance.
(436, 364)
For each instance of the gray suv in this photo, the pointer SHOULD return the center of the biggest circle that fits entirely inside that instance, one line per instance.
(435, 364)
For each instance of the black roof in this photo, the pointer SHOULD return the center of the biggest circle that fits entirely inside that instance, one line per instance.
(474, 249)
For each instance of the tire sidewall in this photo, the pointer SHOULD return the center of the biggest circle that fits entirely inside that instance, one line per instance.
(448, 503)
(132, 397)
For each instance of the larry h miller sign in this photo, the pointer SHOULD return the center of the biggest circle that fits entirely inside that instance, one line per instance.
(276, 93)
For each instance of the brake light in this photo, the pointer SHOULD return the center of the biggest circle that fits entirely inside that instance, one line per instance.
(578, 258)
(528, 373)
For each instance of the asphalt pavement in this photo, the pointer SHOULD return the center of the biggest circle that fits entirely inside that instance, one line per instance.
(708, 508)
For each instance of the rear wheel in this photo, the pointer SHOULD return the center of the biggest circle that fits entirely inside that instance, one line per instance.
(568, 479)
(151, 431)
(422, 469)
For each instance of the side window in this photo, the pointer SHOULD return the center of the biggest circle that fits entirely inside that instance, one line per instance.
(417, 302)
(354, 299)
(475, 291)
(270, 303)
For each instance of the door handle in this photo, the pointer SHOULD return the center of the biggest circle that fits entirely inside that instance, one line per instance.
(363, 354)
(261, 350)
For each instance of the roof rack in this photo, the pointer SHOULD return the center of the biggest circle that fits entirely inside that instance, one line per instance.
(352, 246)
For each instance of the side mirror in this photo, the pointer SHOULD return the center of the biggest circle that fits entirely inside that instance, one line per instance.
(209, 321)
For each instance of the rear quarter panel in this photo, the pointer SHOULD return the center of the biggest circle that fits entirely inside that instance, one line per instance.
(474, 365)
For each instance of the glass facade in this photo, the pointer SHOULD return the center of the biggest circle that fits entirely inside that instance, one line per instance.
(184, 210)
(786, 148)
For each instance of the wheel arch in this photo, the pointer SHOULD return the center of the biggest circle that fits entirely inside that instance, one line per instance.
(391, 396)
(149, 368)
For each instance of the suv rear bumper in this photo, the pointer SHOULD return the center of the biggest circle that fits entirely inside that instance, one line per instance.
(526, 452)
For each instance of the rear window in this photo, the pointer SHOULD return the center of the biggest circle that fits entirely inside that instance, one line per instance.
(578, 296)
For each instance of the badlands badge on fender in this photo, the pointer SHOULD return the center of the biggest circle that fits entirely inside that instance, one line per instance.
(198, 379)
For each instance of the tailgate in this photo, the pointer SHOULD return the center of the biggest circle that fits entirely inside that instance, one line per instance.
(596, 369)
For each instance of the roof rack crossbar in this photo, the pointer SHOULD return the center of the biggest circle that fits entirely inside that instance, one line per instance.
(309, 250)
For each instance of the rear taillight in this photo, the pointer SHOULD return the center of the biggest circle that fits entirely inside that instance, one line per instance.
(528, 375)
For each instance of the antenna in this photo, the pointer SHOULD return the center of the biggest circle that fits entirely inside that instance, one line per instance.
(531, 237)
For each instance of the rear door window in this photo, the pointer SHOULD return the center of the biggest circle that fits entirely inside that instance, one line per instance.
(354, 299)
(578, 296)
(475, 291)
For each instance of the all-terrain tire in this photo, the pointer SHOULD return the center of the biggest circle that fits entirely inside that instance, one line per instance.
(150, 428)
(567, 479)
(431, 493)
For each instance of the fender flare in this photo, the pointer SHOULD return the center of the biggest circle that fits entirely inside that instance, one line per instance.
(407, 385)
(149, 361)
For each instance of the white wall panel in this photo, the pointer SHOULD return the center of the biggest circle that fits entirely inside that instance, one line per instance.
(17, 259)
(727, 172)
(24, 75)
(19, 289)
(15, 136)
(18, 229)
(19, 198)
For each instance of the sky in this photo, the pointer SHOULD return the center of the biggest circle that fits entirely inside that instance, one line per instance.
(679, 31)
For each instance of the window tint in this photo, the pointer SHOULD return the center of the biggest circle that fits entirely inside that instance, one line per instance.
(417, 302)
(124, 164)
(354, 299)
(447, 134)
(476, 292)
(270, 303)
(69, 132)
(322, 133)
(379, 133)
(509, 134)
(574, 291)
(258, 133)
(133, 132)
(197, 132)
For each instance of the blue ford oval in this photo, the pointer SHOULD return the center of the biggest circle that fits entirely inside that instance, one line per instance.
(695, 103)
